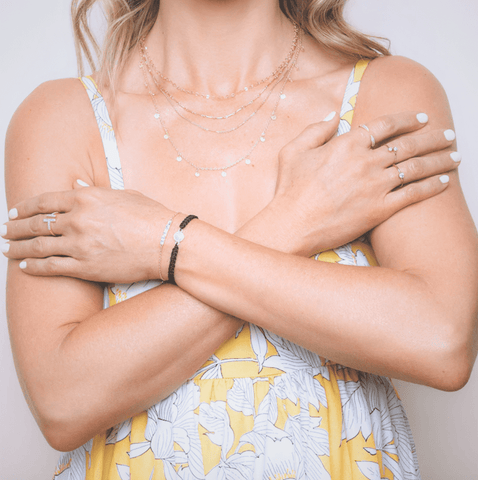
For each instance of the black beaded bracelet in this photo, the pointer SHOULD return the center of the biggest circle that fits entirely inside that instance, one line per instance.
(178, 238)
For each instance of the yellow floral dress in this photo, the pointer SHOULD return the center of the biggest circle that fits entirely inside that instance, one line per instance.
(261, 407)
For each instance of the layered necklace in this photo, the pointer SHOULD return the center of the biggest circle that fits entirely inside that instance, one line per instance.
(278, 78)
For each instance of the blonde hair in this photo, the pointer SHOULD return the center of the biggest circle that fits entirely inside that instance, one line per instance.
(129, 20)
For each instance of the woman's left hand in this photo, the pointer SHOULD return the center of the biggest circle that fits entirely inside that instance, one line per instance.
(102, 235)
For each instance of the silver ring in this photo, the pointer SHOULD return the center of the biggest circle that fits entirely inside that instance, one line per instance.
(51, 218)
(401, 175)
(372, 138)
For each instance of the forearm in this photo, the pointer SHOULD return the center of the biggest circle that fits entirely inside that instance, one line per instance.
(375, 319)
(120, 361)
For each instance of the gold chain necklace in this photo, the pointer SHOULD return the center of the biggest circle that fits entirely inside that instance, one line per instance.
(180, 157)
(271, 77)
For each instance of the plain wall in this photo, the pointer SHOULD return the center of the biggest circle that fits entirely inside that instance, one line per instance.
(37, 46)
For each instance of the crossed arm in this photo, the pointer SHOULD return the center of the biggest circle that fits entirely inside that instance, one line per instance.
(412, 318)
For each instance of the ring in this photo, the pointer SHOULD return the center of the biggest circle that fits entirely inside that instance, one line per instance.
(372, 138)
(401, 175)
(393, 150)
(51, 218)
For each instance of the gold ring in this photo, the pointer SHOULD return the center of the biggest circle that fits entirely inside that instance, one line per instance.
(51, 218)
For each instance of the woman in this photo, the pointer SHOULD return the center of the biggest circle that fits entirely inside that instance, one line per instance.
(308, 420)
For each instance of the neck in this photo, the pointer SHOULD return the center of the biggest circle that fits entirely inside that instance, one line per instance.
(219, 46)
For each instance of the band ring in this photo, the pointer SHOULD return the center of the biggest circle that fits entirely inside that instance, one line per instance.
(51, 218)
(372, 138)
(401, 175)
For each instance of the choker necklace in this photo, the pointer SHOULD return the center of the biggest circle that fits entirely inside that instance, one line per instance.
(269, 78)
(223, 169)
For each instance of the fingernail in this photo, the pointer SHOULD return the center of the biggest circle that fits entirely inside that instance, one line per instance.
(456, 156)
(13, 213)
(450, 135)
(5, 247)
(444, 179)
(3, 230)
(422, 117)
(330, 116)
(23, 265)
(82, 183)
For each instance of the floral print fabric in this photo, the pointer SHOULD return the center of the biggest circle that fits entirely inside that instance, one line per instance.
(261, 407)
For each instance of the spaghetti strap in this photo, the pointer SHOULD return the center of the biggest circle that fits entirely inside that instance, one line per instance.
(350, 96)
(106, 131)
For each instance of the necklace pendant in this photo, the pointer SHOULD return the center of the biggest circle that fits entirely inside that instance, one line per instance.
(179, 158)
(197, 174)
(166, 136)
(274, 117)
(263, 139)
(248, 161)
(282, 96)
(224, 174)
(156, 115)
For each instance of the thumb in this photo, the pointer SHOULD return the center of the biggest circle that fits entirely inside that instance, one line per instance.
(316, 134)
(79, 184)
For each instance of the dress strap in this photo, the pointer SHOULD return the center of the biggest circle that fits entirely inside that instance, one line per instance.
(106, 131)
(350, 97)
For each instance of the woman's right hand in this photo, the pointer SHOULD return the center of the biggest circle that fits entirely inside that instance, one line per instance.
(330, 192)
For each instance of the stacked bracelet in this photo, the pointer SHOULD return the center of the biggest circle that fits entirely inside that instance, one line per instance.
(161, 243)
(178, 238)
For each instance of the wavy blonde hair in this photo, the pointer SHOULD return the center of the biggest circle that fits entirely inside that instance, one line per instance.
(129, 20)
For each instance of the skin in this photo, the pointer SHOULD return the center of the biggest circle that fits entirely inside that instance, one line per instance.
(258, 270)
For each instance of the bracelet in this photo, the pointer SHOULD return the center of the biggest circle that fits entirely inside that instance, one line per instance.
(178, 238)
(161, 243)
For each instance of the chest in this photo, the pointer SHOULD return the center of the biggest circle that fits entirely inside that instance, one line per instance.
(199, 183)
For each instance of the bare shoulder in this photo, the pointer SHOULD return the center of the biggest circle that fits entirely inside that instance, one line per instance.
(49, 140)
(395, 84)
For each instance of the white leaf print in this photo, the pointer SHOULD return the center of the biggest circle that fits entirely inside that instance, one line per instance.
(213, 370)
(238, 466)
(239, 330)
(138, 449)
(370, 470)
(241, 396)
(170, 472)
(215, 419)
(348, 257)
(123, 472)
(259, 344)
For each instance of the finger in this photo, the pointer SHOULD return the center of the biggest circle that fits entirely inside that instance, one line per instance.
(418, 145)
(52, 267)
(416, 192)
(38, 225)
(39, 247)
(316, 134)
(45, 203)
(389, 126)
(423, 167)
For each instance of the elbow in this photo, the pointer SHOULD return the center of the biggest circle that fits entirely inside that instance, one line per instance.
(454, 360)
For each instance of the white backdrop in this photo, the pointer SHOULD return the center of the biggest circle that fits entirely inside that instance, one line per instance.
(37, 45)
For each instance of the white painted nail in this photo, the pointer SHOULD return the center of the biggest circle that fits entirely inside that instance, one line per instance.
(422, 117)
(23, 265)
(13, 213)
(450, 135)
(3, 230)
(82, 183)
(330, 116)
(456, 156)
(444, 179)
(5, 247)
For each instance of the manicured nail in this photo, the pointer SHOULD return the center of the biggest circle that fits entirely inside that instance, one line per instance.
(444, 179)
(456, 156)
(3, 230)
(23, 265)
(422, 117)
(5, 247)
(330, 116)
(13, 213)
(82, 183)
(450, 135)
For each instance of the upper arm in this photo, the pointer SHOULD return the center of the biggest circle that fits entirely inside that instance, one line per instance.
(434, 239)
(46, 150)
